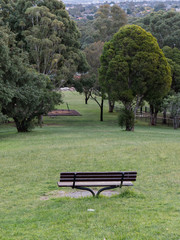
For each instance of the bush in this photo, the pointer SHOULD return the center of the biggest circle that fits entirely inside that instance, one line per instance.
(126, 118)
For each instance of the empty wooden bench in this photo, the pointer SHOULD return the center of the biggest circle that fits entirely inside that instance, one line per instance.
(107, 180)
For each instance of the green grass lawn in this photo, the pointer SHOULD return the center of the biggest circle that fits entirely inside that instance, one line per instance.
(30, 164)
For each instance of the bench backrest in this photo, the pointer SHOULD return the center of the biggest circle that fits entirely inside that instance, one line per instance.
(97, 176)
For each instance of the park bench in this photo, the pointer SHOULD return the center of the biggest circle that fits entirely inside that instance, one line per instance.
(107, 180)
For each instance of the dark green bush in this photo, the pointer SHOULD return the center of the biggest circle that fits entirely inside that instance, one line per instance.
(126, 119)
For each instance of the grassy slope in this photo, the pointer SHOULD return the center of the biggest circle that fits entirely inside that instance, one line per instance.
(30, 165)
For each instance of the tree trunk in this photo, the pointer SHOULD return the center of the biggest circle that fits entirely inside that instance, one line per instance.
(141, 111)
(22, 126)
(111, 105)
(154, 113)
(87, 96)
(152, 119)
(101, 107)
(40, 120)
(129, 128)
(175, 122)
(164, 117)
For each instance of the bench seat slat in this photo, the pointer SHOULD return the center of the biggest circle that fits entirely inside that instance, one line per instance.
(97, 173)
(97, 179)
(98, 176)
(93, 184)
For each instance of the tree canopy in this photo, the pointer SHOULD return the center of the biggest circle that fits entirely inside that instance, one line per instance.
(108, 20)
(25, 93)
(134, 68)
(45, 30)
(173, 56)
(164, 26)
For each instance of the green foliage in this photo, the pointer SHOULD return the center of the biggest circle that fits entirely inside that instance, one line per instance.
(108, 21)
(134, 68)
(164, 26)
(3, 118)
(45, 30)
(25, 93)
(89, 81)
(172, 103)
(93, 53)
(126, 119)
(173, 56)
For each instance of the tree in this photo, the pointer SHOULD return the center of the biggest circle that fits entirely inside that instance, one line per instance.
(173, 56)
(87, 29)
(25, 93)
(93, 53)
(89, 83)
(84, 84)
(45, 30)
(135, 68)
(164, 26)
(108, 21)
(172, 103)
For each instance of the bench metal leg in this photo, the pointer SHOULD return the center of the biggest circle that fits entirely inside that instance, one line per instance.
(87, 189)
(103, 189)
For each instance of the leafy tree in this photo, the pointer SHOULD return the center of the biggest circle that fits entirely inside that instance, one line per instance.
(87, 29)
(173, 56)
(164, 26)
(45, 30)
(172, 103)
(25, 93)
(135, 68)
(89, 82)
(84, 84)
(93, 53)
(108, 21)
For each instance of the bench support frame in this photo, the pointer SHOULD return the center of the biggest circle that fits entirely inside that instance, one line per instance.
(106, 188)
(93, 193)
(87, 189)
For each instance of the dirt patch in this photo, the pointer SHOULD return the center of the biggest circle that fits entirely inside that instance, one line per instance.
(75, 194)
(63, 112)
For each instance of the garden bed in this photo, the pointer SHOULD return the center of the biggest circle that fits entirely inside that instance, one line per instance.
(63, 112)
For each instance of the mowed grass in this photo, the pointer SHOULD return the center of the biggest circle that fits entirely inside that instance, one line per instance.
(30, 164)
